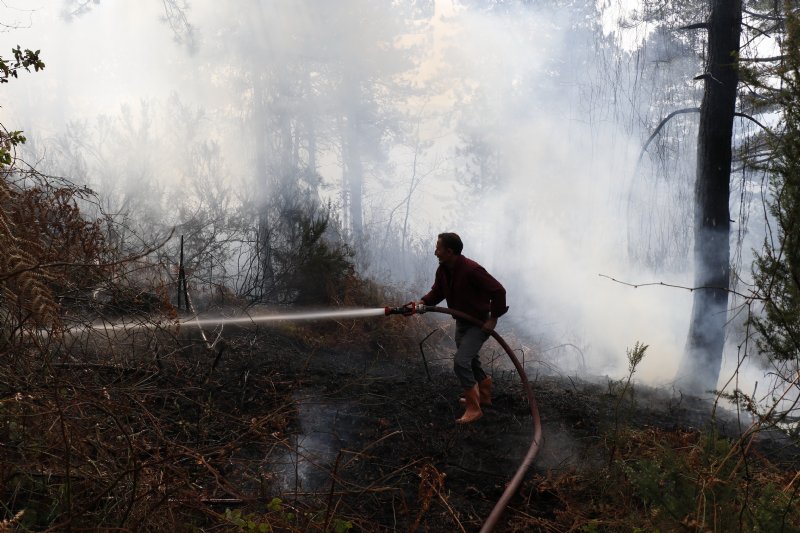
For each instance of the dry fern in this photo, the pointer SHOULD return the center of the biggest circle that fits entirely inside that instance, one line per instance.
(48, 248)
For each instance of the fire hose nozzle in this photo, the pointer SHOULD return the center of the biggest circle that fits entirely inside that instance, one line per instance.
(406, 310)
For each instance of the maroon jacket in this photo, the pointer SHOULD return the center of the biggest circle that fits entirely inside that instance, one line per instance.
(468, 288)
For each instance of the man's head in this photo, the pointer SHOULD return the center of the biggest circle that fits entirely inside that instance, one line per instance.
(448, 247)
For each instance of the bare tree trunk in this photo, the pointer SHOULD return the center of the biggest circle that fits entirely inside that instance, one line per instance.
(264, 271)
(701, 365)
(355, 177)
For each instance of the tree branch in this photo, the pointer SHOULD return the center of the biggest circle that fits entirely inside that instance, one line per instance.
(697, 26)
(763, 16)
(661, 126)
(748, 117)
(762, 59)
(751, 296)
(684, 111)
(758, 31)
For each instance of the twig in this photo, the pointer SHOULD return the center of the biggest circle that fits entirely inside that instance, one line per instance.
(330, 492)
(67, 457)
(751, 296)
(422, 351)
(368, 446)
(449, 509)
(795, 478)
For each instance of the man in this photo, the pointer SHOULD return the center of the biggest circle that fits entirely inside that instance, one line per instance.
(470, 289)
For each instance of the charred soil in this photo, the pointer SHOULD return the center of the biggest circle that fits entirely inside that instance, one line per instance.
(337, 427)
(372, 437)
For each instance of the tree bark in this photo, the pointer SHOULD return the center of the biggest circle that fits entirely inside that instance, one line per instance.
(703, 358)
(354, 172)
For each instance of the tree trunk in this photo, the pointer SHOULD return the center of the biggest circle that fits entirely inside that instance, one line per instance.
(355, 177)
(701, 365)
(264, 275)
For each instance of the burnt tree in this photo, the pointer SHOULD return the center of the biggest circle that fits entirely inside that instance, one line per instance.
(701, 364)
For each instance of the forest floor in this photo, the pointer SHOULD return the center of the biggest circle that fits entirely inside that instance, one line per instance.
(370, 435)
(344, 426)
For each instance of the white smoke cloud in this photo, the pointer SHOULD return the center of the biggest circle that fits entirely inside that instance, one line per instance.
(529, 83)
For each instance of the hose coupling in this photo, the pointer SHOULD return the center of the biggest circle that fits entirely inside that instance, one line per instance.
(406, 310)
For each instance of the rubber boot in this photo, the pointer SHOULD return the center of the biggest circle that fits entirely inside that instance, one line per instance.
(485, 391)
(473, 412)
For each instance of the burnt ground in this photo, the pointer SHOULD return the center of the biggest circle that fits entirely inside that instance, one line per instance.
(370, 435)
(333, 426)
(336, 426)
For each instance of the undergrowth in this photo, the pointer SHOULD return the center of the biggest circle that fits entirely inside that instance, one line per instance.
(671, 481)
(659, 480)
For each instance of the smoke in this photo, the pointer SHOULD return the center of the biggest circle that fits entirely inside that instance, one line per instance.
(555, 217)
(518, 127)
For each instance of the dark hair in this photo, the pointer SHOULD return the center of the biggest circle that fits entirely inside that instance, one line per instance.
(452, 241)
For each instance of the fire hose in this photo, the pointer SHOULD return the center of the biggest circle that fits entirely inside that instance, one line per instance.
(412, 308)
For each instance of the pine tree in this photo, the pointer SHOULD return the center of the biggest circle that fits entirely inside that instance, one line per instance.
(777, 268)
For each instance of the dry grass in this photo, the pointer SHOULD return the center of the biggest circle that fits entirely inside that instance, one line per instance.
(667, 481)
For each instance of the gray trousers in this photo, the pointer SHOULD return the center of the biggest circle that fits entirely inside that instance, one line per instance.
(467, 362)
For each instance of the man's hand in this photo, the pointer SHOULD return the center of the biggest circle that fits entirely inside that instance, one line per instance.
(489, 325)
